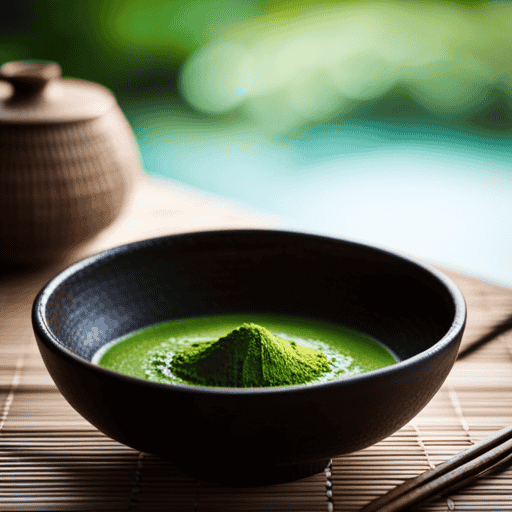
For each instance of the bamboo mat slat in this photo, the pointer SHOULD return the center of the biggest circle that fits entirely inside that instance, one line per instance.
(53, 459)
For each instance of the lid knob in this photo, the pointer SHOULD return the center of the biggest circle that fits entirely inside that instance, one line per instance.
(29, 77)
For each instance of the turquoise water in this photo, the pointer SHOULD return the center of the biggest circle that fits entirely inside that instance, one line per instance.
(439, 194)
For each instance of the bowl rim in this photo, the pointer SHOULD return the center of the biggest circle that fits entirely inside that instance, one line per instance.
(46, 336)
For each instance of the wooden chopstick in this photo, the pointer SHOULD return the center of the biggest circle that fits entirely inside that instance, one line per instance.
(451, 474)
(499, 329)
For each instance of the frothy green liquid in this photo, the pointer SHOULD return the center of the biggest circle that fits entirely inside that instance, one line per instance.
(147, 354)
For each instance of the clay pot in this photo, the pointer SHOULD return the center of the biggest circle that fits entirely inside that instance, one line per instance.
(68, 161)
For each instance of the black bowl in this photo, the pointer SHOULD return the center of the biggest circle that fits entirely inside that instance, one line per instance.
(261, 435)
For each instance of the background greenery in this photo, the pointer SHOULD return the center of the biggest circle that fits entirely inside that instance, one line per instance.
(387, 122)
(138, 48)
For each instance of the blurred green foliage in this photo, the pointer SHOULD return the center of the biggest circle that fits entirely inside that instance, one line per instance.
(121, 43)
(100, 39)
(307, 64)
(138, 48)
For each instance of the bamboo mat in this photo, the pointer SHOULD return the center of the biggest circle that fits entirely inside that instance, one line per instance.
(52, 459)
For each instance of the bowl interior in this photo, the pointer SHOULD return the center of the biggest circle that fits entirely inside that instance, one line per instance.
(404, 305)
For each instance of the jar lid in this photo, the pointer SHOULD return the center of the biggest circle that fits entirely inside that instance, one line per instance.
(38, 94)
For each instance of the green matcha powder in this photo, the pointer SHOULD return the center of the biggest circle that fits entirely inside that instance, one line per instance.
(249, 356)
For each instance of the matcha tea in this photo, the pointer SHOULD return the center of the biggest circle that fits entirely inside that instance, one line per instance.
(244, 350)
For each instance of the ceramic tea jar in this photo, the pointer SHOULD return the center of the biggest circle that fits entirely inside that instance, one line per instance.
(68, 161)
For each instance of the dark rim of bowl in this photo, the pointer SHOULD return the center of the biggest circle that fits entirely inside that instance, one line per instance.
(46, 335)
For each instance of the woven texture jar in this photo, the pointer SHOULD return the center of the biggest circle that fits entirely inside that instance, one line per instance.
(68, 161)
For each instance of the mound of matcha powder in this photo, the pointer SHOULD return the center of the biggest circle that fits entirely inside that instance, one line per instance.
(249, 356)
